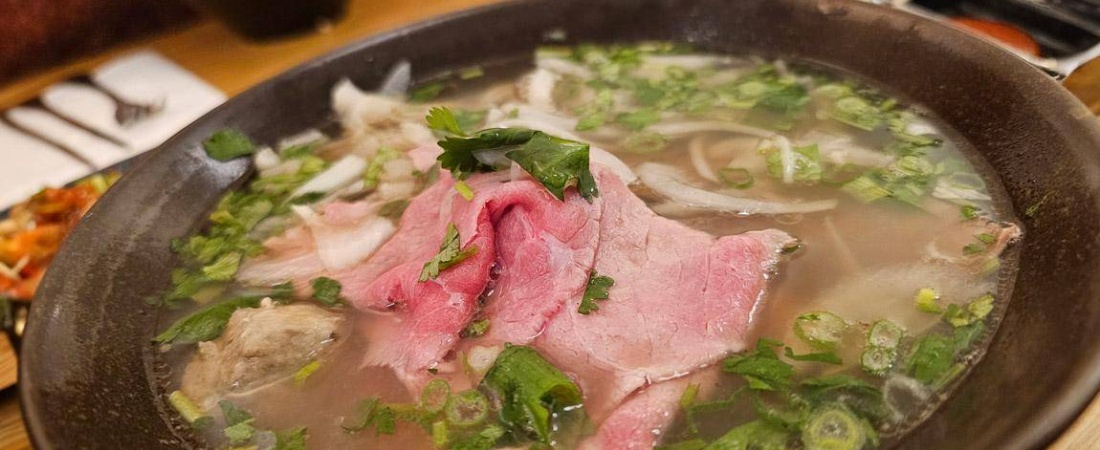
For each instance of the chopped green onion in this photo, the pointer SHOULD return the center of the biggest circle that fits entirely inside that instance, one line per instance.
(687, 399)
(426, 93)
(477, 328)
(974, 249)
(885, 333)
(440, 434)
(188, 410)
(969, 212)
(464, 190)
(835, 428)
(927, 300)
(471, 72)
(435, 395)
(878, 360)
(305, 372)
(467, 409)
(986, 238)
(736, 178)
(822, 330)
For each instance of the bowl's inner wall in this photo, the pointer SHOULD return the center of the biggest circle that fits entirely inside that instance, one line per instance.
(87, 365)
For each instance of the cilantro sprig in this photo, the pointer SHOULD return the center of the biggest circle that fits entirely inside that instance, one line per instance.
(556, 163)
(450, 254)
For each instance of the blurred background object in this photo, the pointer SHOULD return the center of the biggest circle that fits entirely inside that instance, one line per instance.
(35, 34)
(264, 19)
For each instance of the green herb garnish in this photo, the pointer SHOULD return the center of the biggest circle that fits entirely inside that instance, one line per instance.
(530, 391)
(326, 291)
(207, 323)
(596, 290)
(450, 254)
(227, 144)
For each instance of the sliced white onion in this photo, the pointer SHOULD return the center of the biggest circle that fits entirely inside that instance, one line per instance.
(840, 150)
(397, 81)
(699, 159)
(357, 108)
(309, 136)
(678, 129)
(786, 156)
(612, 163)
(538, 88)
(342, 173)
(339, 247)
(665, 180)
(266, 159)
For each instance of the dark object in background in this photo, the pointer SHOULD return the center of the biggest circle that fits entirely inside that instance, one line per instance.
(37, 33)
(1062, 28)
(265, 19)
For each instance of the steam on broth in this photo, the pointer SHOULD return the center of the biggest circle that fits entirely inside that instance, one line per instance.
(380, 289)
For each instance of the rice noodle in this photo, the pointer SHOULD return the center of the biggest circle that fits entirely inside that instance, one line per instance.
(612, 163)
(679, 129)
(699, 159)
(342, 173)
(665, 180)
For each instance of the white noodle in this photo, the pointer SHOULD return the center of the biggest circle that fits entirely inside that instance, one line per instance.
(612, 163)
(665, 180)
(685, 128)
(699, 159)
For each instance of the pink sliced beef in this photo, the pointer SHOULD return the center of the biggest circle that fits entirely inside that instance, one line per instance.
(548, 250)
(682, 300)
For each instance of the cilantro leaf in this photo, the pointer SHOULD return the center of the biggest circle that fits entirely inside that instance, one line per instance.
(458, 152)
(450, 254)
(755, 435)
(443, 120)
(761, 368)
(931, 358)
(373, 413)
(233, 415)
(207, 323)
(530, 391)
(240, 433)
(327, 291)
(294, 439)
(227, 144)
(596, 290)
(557, 164)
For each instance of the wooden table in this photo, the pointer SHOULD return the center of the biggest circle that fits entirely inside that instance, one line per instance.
(233, 65)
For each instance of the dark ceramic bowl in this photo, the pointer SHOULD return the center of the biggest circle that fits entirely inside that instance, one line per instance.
(87, 358)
